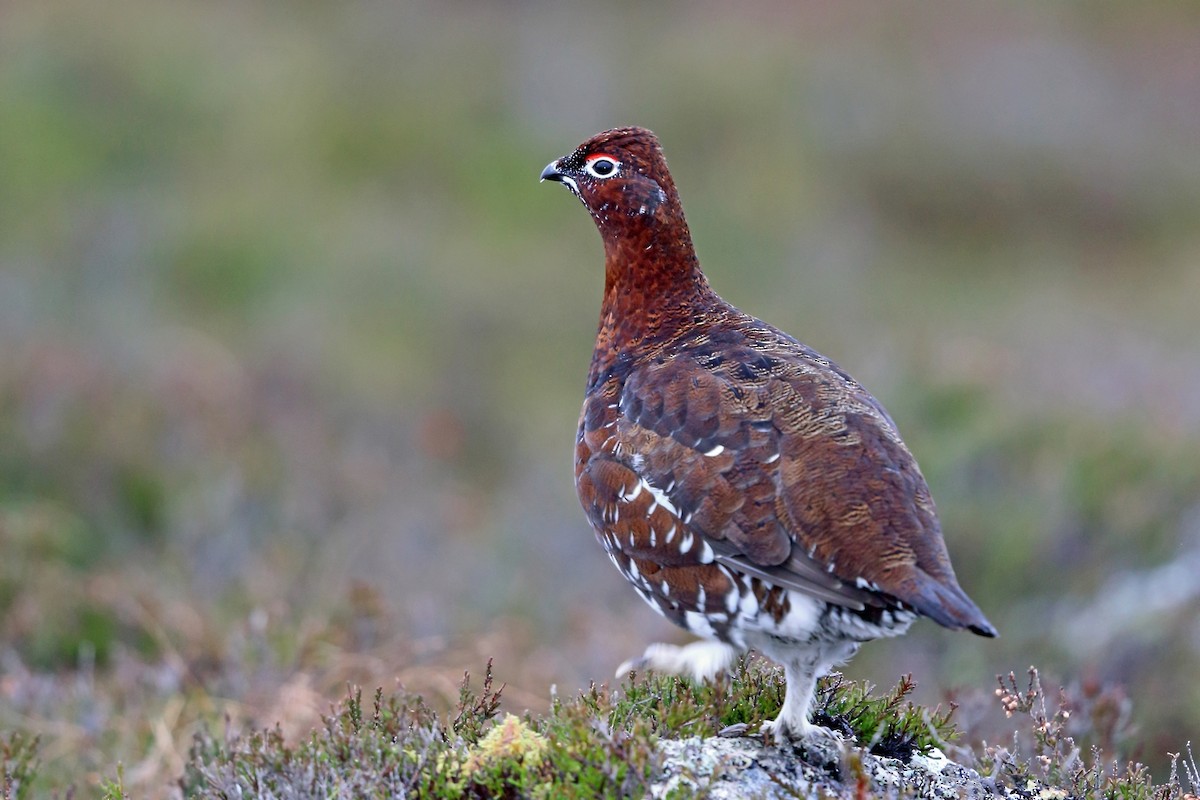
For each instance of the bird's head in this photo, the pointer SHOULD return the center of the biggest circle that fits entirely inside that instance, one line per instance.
(622, 178)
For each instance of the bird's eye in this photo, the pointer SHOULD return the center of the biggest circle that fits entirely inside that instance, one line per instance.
(602, 167)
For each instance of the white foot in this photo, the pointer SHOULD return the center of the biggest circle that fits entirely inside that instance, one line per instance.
(701, 661)
(792, 723)
(784, 731)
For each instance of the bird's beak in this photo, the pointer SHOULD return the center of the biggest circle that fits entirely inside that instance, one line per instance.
(551, 173)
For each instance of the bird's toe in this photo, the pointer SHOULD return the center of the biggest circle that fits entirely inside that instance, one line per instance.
(632, 665)
(784, 732)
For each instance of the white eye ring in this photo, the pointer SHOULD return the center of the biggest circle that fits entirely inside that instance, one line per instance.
(602, 167)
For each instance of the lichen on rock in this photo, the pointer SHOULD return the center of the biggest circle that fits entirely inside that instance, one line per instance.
(731, 769)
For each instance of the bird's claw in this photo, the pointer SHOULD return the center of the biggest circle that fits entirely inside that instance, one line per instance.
(783, 733)
(630, 666)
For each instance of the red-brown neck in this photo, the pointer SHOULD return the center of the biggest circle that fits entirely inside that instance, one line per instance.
(653, 286)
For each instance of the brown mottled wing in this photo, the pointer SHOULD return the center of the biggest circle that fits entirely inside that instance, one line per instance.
(788, 470)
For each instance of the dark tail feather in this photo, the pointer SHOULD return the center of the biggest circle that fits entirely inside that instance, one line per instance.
(950, 606)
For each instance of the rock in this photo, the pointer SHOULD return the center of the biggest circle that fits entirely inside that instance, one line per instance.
(732, 769)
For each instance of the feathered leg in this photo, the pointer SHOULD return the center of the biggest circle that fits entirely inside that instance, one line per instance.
(701, 660)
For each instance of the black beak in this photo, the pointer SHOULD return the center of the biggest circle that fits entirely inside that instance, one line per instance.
(551, 173)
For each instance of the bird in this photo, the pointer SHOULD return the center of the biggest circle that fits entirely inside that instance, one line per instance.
(750, 489)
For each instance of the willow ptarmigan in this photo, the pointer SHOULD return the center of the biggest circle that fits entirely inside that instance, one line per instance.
(749, 489)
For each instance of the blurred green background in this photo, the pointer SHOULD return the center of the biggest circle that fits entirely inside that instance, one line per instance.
(292, 343)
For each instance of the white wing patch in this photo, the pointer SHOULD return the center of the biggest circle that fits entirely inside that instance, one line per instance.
(660, 497)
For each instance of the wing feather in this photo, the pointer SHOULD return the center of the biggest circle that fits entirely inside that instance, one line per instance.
(790, 469)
